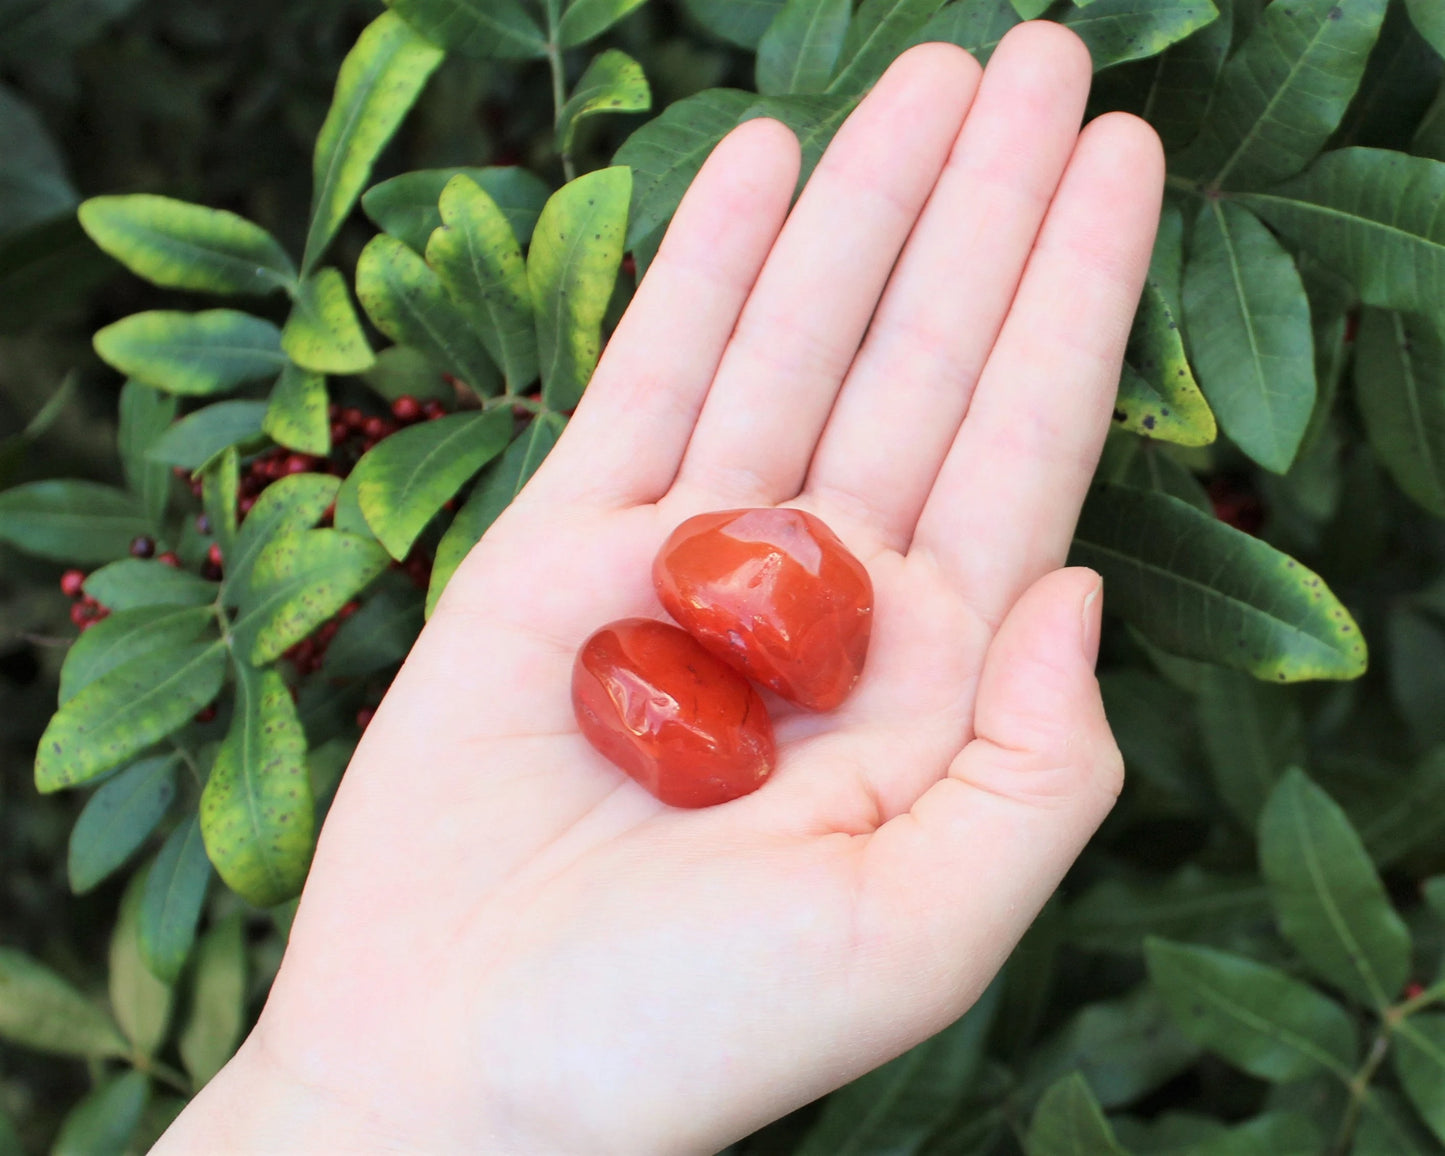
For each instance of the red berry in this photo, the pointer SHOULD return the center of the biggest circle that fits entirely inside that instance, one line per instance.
(330, 513)
(297, 464)
(196, 489)
(434, 410)
(81, 613)
(333, 411)
(339, 432)
(245, 506)
(348, 610)
(364, 716)
(376, 428)
(406, 408)
(180, 471)
(629, 265)
(169, 559)
(210, 572)
(353, 417)
(143, 547)
(213, 555)
(206, 713)
(1414, 988)
(71, 583)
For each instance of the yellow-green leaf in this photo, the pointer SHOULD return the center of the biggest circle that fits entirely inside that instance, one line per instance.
(571, 268)
(218, 1000)
(192, 353)
(296, 416)
(613, 82)
(298, 581)
(178, 245)
(1158, 396)
(477, 258)
(40, 1010)
(407, 302)
(380, 80)
(257, 814)
(140, 1001)
(405, 481)
(323, 333)
(127, 635)
(288, 505)
(481, 29)
(122, 713)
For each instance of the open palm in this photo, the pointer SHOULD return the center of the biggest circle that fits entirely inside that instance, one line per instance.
(507, 945)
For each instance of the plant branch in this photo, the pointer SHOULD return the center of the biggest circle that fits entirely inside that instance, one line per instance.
(559, 93)
(1359, 1088)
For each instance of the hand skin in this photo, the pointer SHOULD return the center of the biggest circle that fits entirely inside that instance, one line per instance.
(505, 945)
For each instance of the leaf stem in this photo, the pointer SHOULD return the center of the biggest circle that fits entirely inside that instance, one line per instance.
(559, 87)
(1182, 184)
(1359, 1088)
(1409, 1007)
(164, 1073)
(530, 404)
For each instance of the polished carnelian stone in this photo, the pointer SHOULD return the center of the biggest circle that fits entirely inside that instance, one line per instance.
(774, 593)
(689, 728)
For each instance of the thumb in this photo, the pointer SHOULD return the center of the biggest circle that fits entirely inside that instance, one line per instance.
(995, 837)
(1039, 724)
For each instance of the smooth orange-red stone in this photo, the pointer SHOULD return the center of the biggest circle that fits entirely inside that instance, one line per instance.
(774, 593)
(689, 728)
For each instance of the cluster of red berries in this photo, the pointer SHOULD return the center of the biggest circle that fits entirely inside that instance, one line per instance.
(308, 654)
(85, 611)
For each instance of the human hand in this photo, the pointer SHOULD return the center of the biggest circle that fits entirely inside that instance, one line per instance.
(505, 944)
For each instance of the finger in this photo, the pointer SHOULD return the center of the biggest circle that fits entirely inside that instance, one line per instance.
(802, 325)
(911, 383)
(1005, 502)
(957, 880)
(628, 435)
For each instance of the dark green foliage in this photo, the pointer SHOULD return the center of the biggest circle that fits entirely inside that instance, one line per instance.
(304, 214)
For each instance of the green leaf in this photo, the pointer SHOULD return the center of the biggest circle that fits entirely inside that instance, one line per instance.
(286, 506)
(571, 268)
(1429, 20)
(1120, 30)
(182, 246)
(141, 1002)
(403, 482)
(298, 581)
(198, 437)
(1249, 327)
(192, 353)
(585, 20)
(123, 712)
(1372, 216)
(1256, 1017)
(1251, 733)
(218, 1001)
(880, 30)
(1158, 396)
(1327, 897)
(1400, 389)
(801, 47)
(71, 521)
(480, 29)
(296, 415)
(174, 894)
(667, 152)
(258, 818)
(39, 1010)
(1419, 1057)
(974, 25)
(813, 119)
(1068, 1120)
(740, 22)
(1123, 1048)
(9, 1139)
(502, 483)
(1387, 1128)
(408, 303)
(1201, 589)
(48, 270)
(894, 1108)
(145, 414)
(406, 206)
(613, 82)
(118, 819)
(1145, 714)
(405, 372)
(1186, 78)
(1115, 915)
(220, 491)
(323, 333)
(1412, 816)
(1284, 91)
(1030, 9)
(380, 80)
(377, 636)
(478, 260)
(102, 1124)
(34, 187)
(126, 636)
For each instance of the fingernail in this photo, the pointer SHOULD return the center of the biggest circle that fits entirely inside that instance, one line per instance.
(1092, 613)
